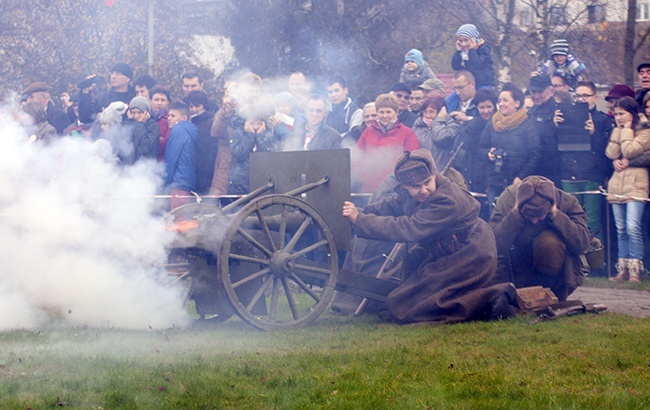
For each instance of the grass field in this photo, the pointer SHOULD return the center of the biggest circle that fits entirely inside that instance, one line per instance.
(583, 362)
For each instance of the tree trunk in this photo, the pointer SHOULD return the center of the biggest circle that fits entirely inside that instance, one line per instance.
(629, 51)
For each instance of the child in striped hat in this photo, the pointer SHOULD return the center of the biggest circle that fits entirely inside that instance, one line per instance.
(563, 63)
(474, 54)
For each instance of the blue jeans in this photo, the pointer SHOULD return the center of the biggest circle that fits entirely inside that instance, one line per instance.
(628, 229)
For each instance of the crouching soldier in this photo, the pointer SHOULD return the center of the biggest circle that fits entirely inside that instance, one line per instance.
(450, 279)
(541, 232)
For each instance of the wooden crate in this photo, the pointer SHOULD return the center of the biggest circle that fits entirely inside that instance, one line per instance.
(534, 297)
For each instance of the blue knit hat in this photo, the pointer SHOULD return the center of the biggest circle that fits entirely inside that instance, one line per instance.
(468, 30)
(415, 56)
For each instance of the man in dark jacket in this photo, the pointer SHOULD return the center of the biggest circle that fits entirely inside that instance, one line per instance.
(121, 90)
(541, 231)
(447, 274)
(587, 170)
(644, 80)
(180, 155)
(542, 113)
(56, 117)
(207, 146)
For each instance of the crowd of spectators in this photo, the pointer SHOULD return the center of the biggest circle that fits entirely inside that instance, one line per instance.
(494, 137)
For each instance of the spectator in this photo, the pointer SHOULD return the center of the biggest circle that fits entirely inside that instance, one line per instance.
(628, 188)
(180, 155)
(314, 134)
(460, 104)
(437, 131)
(474, 55)
(468, 162)
(381, 143)
(160, 99)
(41, 130)
(416, 100)
(541, 232)
(615, 93)
(81, 127)
(192, 81)
(509, 144)
(432, 88)
(253, 137)
(415, 70)
(56, 117)
(453, 253)
(559, 86)
(369, 115)
(563, 63)
(121, 90)
(145, 132)
(285, 118)
(587, 170)
(300, 88)
(403, 94)
(343, 113)
(206, 145)
(143, 85)
(542, 114)
(644, 80)
(109, 127)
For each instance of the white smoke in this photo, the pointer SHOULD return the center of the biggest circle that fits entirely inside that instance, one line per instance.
(79, 237)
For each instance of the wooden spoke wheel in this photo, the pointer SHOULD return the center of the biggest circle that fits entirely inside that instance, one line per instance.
(278, 263)
(192, 267)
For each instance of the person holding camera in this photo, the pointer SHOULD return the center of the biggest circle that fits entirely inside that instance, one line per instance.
(509, 146)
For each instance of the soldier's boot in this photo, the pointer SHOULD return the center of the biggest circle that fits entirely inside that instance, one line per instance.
(622, 270)
(635, 267)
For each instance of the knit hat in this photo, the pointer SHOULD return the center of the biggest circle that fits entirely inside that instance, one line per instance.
(560, 47)
(535, 197)
(467, 30)
(415, 56)
(36, 87)
(432, 84)
(539, 83)
(123, 68)
(413, 167)
(113, 114)
(619, 91)
(141, 103)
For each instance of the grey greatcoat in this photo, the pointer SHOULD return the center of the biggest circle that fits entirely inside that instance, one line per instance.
(450, 280)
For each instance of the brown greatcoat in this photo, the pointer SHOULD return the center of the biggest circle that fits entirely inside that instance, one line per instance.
(514, 237)
(438, 288)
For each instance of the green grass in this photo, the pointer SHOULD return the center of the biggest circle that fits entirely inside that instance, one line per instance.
(591, 361)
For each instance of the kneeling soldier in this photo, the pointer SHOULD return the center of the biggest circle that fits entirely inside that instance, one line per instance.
(450, 278)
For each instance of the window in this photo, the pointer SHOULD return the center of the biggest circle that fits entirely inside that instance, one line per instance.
(643, 10)
(558, 16)
(596, 13)
(525, 18)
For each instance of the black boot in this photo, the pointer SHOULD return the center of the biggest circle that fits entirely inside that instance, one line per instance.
(504, 306)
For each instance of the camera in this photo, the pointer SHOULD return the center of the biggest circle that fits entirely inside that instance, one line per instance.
(500, 155)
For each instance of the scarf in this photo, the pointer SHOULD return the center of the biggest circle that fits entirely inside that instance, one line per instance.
(503, 123)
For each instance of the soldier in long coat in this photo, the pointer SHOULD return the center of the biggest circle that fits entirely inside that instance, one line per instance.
(453, 258)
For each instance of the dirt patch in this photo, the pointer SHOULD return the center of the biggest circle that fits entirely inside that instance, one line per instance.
(625, 301)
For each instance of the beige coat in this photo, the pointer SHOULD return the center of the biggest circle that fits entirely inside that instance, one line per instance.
(632, 181)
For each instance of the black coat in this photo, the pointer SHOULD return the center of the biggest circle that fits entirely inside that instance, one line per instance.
(542, 116)
(206, 151)
(522, 152)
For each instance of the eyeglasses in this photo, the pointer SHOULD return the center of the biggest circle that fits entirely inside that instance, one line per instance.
(460, 87)
(584, 96)
(401, 95)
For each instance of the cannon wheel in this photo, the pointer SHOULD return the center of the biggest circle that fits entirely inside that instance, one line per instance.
(293, 281)
(180, 274)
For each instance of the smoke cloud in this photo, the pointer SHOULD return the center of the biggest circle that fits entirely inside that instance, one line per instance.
(80, 238)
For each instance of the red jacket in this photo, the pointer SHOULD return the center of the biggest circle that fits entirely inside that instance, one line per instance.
(377, 151)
